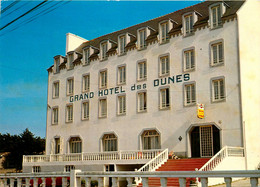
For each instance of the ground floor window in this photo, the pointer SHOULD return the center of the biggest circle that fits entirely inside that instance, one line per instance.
(75, 144)
(57, 145)
(109, 142)
(151, 140)
(68, 168)
(36, 169)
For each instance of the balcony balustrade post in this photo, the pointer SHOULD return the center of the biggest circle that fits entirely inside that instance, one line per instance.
(5, 182)
(228, 181)
(19, 182)
(254, 181)
(87, 181)
(43, 182)
(129, 181)
(100, 181)
(74, 180)
(53, 181)
(35, 182)
(50, 158)
(120, 155)
(11, 182)
(204, 182)
(27, 182)
(163, 181)
(182, 182)
(145, 181)
(64, 181)
(114, 182)
(81, 156)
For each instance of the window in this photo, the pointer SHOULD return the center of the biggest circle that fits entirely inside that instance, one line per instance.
(103, 51)
(216, 16)
(75, 144)
(103, 108)
(36, 169)
(217, 54)
(121, 75)
(164, 66)
(165, 98)
(122, 44)
(141, 38)
(189, 94)
(86, 55)
(55, 115)
(85, 110)
(142, 102)
(103, 79)
(164, 29)
(121, 105)
(189, 62)
(85, 83)
(109, 142)
(69, 113)
(218, 90)
(188, 24)
(141, 75)
(68, 168)
(70, 60)
(70, 86)
(56, 87)
(57, 65)
(151, 140)
(57, 145)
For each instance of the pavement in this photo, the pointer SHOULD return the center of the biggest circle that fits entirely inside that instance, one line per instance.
(239, 183)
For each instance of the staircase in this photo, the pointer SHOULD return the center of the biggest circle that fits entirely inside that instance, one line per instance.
(178, 165)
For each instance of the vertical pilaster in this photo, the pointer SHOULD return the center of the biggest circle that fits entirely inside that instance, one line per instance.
(27, 182)
(145, 181)
(163, 181)
(228, 181)
(35, 182)
(43, 182)
(204, 182)
(19, 182)
(53, 181)
(100, 182)
(115, 182)
(254, 181)
(129, 181)
(87, 181)
(11, 182)
(182, 182)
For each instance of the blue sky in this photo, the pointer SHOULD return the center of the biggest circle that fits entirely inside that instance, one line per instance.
(26, 52)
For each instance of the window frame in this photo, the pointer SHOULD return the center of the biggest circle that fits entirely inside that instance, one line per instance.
(167, 66)
(144, 70)
(68, 89)
(101, 86)
(57, 146)
(85, 58)
(222, 98)
(104, 141)
(70, 60)
(167, 105)
(103, 50)
(54, 96)
(84, 89)
(219, 22)
(100, 108)
(185, 86)
(57, 61)
(122, 51)
(150, 137)
(36, 169)
(166, 38)
(119, 77)
(189, 51)
(73, 145)
(144, 107)
(190, 30)
(119, 112)
(83, 110)
(217, 43)
(53, 122)
(69, 120)
(141, 38)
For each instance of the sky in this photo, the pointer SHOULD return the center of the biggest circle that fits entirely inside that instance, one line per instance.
(28, 45)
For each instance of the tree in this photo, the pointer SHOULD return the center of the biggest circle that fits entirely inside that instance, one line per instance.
(18, 145)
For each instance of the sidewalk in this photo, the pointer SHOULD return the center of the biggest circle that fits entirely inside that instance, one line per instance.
(240, 183)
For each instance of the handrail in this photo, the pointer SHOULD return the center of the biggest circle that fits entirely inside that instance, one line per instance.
(154, 164)
(223, 153)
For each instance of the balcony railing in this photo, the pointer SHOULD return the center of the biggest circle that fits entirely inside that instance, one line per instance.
(113, 155)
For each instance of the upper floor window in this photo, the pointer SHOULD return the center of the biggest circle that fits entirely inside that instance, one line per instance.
(86, 55)
(55, 115)
(68, 168)
(217, 54)
(151, 140)
(103, 79)
(36, 169)
(189, 94)
(69, 113)
(189, 62)
(85, 83)
(142, 38)
(85, 110)
(141, 71)
(218, 90)
(142, 102)
(122, 44)
(109, 142)
(188, 24)
(215, 16)
(121, 105)
(70, 86)
(164, 29)
(57, 65)
(165, 98)
(57, 145)
(103, 108)
(121, 75)
(70, 60)
(75, 144)
(164, 65)
(56, 88)
(103, 52)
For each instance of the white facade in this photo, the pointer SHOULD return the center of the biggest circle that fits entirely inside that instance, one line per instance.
(161, 84)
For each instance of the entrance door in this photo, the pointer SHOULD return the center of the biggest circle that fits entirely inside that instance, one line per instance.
(110, 168)
(205, 141)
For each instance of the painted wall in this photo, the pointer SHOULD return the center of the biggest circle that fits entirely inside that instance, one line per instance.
(171, 123)
(249, 48)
